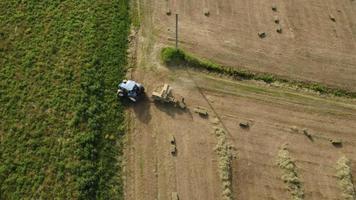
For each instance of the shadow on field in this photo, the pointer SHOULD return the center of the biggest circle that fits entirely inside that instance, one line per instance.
(141, 108)
(170, 109)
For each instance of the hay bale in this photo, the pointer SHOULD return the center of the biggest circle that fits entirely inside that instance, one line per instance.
(168, 12)
(244, 125)
(262, 34)
(276, 19)
(206, 12)
(201, 111)
(279, 29)
(332, 18)
(173, 150)
(274, 8)
(336, 142)
(172, 140)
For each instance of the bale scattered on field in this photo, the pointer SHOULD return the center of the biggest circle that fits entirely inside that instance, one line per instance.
(172, 140)
(244, 125)
(168, 12)
(279, 29)
(332, 18)
(201, 111)
(276, 19)
(206, 12)
(173, 150)
(274, 8)
(336, 142)
(262, 34)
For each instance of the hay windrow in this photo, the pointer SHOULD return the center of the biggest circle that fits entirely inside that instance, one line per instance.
(225, 158)
(344, 175)
(289, 174)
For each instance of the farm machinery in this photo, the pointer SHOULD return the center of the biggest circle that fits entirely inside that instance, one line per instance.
(131, 90)
(134, 91)
(165, 95)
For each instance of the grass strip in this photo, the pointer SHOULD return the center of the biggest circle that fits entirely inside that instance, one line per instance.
(170, 56)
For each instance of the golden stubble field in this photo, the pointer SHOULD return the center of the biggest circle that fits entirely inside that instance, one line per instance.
(301, 123)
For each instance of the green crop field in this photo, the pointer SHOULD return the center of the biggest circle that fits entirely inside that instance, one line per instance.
(60, 121)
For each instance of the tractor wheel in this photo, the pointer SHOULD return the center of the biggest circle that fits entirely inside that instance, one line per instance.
(120, 93)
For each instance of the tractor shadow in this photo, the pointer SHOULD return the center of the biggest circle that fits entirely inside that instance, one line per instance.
(170, 109)
(141, 108)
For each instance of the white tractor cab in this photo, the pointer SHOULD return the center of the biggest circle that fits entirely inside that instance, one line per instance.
(130, 89)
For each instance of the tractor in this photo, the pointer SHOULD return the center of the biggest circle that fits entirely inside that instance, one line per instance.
(130, 89)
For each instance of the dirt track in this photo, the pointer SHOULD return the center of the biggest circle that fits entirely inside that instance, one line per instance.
(152, 173)
(311, 47)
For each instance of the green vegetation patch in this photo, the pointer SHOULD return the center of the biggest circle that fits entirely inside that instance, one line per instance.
(61, 124)
(289, 174)
(172, 56)
(344, 175)
(135, 14)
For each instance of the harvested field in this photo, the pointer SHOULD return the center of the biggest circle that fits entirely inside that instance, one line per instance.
(266, 90)
(257, 118)
(272, 114)
(305, 45)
